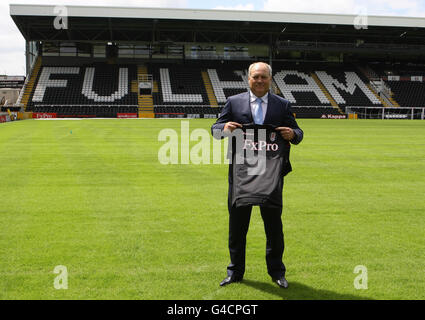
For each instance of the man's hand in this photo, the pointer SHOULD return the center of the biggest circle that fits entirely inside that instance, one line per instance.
(230, 126)
(286, 132)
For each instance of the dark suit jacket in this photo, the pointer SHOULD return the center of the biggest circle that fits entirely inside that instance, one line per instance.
(279, 113)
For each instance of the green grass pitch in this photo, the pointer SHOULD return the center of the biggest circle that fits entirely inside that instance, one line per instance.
(92, 196)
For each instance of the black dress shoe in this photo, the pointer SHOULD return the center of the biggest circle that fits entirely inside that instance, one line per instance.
(229, 280)
(281, 282)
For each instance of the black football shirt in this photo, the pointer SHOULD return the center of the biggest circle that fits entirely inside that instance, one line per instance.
(259, 155)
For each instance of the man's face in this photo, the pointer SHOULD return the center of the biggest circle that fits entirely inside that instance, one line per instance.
(259, 80)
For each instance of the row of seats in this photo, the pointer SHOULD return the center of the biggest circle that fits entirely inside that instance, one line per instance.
(408, 93)
(98, 111)
(187, 110)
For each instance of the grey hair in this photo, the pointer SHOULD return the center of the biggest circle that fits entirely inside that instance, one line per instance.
(255, 63)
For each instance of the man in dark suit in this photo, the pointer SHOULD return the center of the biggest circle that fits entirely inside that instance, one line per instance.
(258, 106)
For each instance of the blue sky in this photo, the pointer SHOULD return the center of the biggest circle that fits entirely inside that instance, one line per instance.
(12, 60)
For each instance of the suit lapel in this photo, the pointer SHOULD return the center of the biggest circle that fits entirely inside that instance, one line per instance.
(246, 107)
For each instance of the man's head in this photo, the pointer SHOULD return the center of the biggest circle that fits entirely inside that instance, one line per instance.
(259, 78)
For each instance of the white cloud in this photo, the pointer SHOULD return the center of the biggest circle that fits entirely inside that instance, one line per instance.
(316, 6)
(248, 6)
(12, 48)
(373, 7)
(411, 8)
(111, 3)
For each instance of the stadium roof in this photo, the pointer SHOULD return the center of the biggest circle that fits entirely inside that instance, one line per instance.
(213, 15)
(92, 23)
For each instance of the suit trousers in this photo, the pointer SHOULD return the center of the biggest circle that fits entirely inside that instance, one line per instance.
(239, 218)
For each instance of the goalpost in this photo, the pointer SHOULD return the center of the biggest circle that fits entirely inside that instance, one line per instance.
(412, 113)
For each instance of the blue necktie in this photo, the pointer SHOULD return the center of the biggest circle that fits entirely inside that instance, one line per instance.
(258, 118)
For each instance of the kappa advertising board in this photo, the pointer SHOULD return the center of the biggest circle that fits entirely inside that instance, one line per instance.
(333, 116)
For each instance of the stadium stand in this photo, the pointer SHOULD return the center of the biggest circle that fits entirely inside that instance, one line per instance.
(93, 90)
(347, 88)
(408, 93)
(101, 89)
(181, 63)
(179, 84)
(227, 83)
(405, 81)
